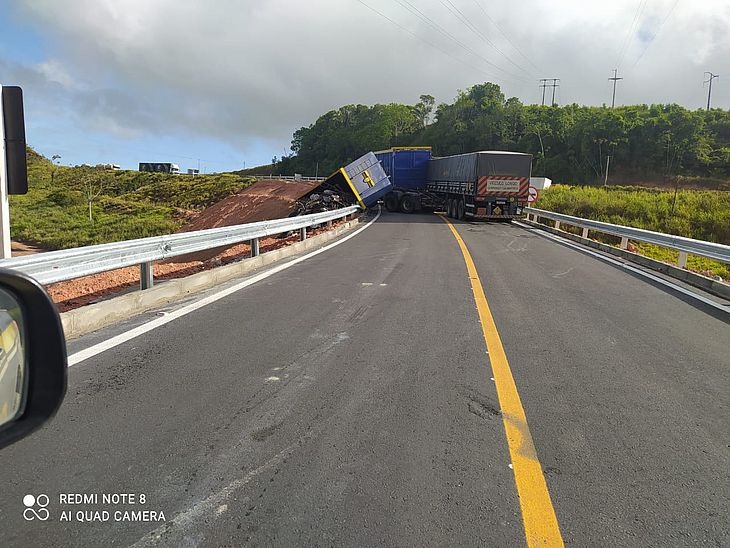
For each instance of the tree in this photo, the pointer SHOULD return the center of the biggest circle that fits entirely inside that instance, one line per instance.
(93, 186)
(423, 109)
(54, 163)
(569, 143)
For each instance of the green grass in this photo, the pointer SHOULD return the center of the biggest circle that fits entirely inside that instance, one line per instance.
(131, 204)
(699, 214)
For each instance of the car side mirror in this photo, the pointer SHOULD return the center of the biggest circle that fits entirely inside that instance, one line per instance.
(33, 366)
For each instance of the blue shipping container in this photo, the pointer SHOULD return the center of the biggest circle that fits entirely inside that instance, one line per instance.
(406, 167)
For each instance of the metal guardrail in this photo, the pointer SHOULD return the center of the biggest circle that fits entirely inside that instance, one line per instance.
(67, 264)
(289, 178)
(685, 246)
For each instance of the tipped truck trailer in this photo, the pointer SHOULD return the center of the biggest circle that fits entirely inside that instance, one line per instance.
(407, 169)
(362, 182)
(481, 185)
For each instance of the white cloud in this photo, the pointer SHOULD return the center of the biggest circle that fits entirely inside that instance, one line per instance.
(239, 70)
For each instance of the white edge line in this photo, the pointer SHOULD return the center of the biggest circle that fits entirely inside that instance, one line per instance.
(103, 346)
(658, 279)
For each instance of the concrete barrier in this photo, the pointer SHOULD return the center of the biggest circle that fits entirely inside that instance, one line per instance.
(96, 316)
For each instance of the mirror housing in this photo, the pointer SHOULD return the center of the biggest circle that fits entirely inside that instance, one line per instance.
(44, 354)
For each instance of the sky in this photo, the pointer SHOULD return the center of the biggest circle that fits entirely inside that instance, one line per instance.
(223, 84)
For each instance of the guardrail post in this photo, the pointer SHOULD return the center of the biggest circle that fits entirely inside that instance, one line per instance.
(255, 247)
(624, 242)
(329, 224)
(557, 225)
(682, 260)
(303, 233)
(146, 276)
(585, 232)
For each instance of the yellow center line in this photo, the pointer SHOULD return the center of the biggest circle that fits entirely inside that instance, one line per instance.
(538, 514)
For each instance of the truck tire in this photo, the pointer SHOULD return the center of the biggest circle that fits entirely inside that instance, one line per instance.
(460, 209)
(449, 208)
(391, 202)
(408, 204)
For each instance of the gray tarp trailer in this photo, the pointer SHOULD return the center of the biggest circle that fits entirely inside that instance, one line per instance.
(484, 185)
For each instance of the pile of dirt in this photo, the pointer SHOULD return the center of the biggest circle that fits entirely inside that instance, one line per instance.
(262, 201)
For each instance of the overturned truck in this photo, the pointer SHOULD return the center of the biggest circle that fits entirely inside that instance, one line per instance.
(362, 182)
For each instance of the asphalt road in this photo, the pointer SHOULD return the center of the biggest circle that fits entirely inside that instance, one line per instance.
(348, 401)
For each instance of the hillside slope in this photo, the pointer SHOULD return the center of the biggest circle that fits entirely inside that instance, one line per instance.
(124, 204)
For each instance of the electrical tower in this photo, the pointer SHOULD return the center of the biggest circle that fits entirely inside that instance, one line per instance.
(615, 79)
(710, 78)
(544, 84)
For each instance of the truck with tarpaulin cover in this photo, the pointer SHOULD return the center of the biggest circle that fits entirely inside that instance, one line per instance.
(481, 185)
(485, 185)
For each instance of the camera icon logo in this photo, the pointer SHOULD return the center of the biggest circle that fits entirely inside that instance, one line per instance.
(35, 507)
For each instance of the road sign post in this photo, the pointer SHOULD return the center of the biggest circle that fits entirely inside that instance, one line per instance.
(13, 164)
(4, 203)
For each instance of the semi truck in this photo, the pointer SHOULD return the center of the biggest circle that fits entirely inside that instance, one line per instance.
(407, 169)
(159, 167)
(476, 185)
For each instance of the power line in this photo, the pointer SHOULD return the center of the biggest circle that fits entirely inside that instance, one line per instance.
(464, 19)
(710, 78)
(615, 79)
(486, 14)
(414, 35)
(651, 40)
(627, 39)
(418, 13)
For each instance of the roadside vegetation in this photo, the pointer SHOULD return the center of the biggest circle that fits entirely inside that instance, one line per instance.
(699, 214)
(75, 206)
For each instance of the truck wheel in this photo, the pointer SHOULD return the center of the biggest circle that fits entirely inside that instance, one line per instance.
(461, 209)
(391, 202)
(408, 204)
(450, 208)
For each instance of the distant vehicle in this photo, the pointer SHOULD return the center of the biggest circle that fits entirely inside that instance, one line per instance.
(193, 171)
(159, 167)
(478, 185)
(109, 166)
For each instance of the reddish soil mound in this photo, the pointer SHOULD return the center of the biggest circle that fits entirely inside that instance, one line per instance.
(262, 201)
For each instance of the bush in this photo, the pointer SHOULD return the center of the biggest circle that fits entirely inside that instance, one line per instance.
(702, 215)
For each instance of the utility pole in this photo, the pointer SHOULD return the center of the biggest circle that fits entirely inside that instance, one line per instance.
(605, 176)
(710, 78)
(615, 79)
(544, 84)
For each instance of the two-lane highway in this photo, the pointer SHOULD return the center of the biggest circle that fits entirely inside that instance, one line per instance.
(350, 400)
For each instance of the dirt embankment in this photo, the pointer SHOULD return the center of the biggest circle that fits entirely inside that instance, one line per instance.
(264, 200)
